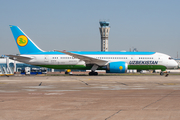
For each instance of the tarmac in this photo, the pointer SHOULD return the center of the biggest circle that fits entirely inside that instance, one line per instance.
(90, 97)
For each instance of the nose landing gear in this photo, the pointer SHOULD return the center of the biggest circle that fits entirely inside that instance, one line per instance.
(162, 73)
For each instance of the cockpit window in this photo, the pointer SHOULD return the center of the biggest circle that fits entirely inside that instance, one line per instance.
(170, 58)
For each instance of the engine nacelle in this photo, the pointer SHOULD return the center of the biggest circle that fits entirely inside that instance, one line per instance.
(117, 67)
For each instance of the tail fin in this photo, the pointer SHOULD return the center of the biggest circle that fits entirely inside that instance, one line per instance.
(24, 43)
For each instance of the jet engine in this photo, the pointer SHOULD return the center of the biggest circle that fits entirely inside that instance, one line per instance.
(117, 67)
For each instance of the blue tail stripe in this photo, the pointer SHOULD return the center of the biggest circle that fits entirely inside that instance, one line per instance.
(30, 47)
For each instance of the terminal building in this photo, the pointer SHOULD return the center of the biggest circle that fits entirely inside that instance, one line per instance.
(15, 66)
(8, 66)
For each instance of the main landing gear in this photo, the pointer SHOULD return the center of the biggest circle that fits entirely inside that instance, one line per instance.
(162, 73)
(93, 73)
(93, 70)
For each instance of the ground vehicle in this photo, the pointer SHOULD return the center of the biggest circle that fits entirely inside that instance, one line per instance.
(34, 71)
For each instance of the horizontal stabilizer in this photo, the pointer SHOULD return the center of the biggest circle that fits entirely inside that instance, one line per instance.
(19, 58)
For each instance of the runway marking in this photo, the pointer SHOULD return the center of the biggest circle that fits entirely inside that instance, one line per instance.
(157, 100)
(84, 82)
(113, 114)
(122, 83)
(80, 81)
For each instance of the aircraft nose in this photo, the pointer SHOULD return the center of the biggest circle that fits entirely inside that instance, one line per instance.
(175, 64)
(172, 64)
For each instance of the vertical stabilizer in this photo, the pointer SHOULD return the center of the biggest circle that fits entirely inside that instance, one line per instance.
(24, 43)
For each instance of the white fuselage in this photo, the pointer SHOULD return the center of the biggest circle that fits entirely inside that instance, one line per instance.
(63, 59)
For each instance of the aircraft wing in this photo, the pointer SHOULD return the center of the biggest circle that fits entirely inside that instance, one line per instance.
(87, 59)
(19, 58)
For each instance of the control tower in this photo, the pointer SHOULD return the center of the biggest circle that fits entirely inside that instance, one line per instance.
(104, 31)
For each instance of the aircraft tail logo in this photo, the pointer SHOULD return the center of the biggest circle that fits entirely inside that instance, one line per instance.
(22, 40)
(24, 43)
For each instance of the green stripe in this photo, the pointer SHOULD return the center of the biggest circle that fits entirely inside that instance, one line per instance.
(147, 67)
(82, 67)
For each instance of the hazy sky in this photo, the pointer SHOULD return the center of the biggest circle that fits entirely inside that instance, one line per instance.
(73, 25)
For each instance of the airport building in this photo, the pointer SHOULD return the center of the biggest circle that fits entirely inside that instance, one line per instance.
(11, 66)
(104, 32)
(15, 66)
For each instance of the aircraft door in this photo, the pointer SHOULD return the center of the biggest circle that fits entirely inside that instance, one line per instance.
(46, 58)
(160, 59)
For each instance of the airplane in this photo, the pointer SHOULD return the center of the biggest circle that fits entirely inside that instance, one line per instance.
(112, 62)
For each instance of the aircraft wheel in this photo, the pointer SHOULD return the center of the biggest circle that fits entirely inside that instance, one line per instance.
(166, 75)
(96, 73)
(161, 73)
(90, 73)
(93, 73)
